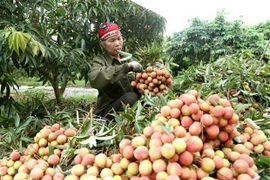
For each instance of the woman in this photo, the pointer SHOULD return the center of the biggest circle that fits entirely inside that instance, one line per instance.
(110, 76)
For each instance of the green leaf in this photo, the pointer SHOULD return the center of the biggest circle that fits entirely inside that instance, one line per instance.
(34, 49)
(263, 161)
(22, 42)
(23, 125)
(51, 149)
(11, 40)
(138, 128)
(106, 137)
(127, 116)
(139, 110)
(26, 139)
(16, 43)
(8, 32)
(9, 139)
(3, 130)
(241, 106)
(95, 11)
(163, 101)
(90, 141)
(82, 136)
(140, 118)
(86, 128)
(101, 133)
(101, 129)
(61, 147)
(166, 128)
(17, 120)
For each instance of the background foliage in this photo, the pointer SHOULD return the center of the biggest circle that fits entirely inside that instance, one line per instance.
(205, 41)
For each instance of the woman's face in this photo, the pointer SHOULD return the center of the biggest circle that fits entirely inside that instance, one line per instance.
(113, 44)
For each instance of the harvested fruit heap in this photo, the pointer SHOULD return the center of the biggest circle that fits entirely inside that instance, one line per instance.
(153, 81)
(189, 139)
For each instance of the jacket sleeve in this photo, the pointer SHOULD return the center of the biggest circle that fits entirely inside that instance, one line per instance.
(101, 74)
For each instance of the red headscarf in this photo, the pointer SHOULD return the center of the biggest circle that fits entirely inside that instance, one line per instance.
(108, 30)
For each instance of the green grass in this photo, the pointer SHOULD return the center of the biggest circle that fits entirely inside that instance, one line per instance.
(87, 97)
(23, 80)
(29, 82)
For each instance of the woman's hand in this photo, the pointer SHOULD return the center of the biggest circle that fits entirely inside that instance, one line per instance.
(135, 66)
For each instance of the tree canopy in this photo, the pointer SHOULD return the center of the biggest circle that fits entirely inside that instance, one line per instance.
(206, 41)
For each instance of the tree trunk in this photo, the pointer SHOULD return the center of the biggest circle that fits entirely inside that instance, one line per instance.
(55, 86)
(64, 85)
(58, 92)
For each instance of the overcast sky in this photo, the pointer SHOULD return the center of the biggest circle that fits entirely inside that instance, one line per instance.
(177, 12)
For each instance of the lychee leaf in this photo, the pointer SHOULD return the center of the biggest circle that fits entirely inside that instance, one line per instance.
(91, 142)
(166, 127)
(61, 147)
(241, 106)
(17, 120)
(106, 132)
(263, 161)
(106, 137)
(24, 125)
(101, 129)
(86, 128)
(16, 43)
(139, 110)
(127, 116)
(22, 42)
(51, 149)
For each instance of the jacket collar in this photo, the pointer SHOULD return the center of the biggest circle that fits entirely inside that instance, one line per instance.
(109, 58)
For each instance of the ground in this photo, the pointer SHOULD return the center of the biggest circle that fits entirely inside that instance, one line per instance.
(70, 91)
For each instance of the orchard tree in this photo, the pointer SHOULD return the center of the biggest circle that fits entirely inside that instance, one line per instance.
(67, 32)
(205, 41)
(15, 44)
(264, 27)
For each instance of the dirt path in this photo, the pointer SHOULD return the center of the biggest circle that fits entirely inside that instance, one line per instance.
(70, 91)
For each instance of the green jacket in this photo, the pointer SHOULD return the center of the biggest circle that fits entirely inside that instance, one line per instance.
(110, 78)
